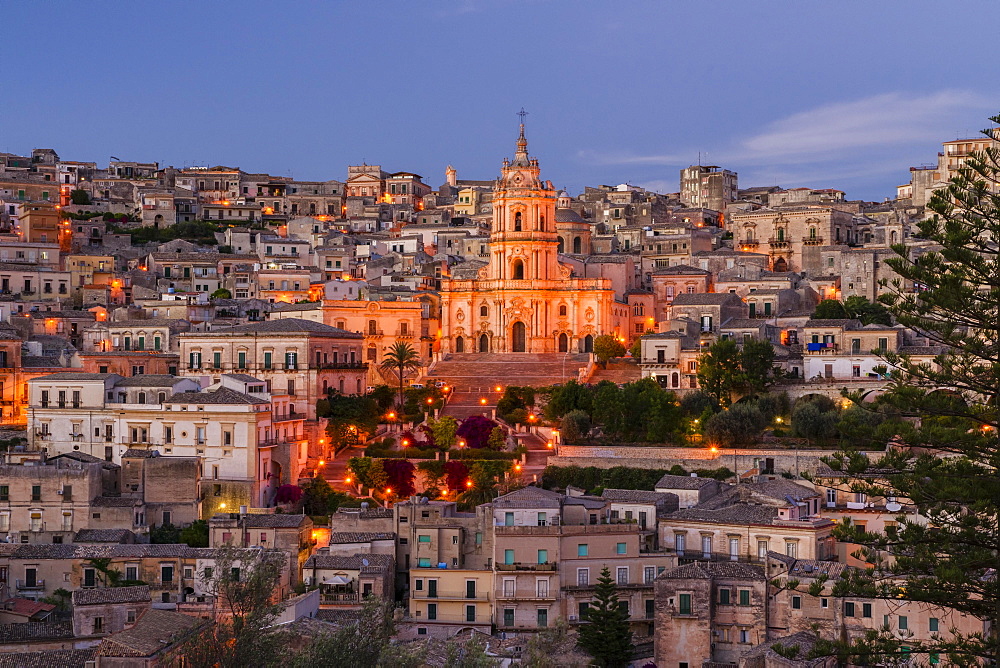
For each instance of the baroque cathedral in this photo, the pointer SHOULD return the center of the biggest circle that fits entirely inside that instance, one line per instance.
(524, 300)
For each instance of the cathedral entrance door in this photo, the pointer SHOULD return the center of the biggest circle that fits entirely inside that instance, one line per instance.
(563, 343)
(484, 344)
(460, 345)
(588, 344)
(518, 337)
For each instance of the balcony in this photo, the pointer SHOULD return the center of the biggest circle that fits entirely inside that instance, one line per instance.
(748, 245)
(30, 585)
(822, 349)
(342, 365)
(812, 241)
(340, 599)
(449, 596)
(779, 244)
(547, 567)
(516, 595)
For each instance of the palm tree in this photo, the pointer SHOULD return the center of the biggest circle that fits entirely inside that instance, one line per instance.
(400, 359)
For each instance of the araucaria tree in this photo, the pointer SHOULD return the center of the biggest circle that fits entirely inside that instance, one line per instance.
(946, 553)
(606, 635)
(400, 359)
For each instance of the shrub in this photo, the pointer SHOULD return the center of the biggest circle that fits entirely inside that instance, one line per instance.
(475, 430)
(575, 426)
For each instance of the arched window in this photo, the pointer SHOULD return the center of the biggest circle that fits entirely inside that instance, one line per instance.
(518, 270)
(517, 221)
(562, 309)
(484, 310)
(577, 245)
(561, 247)
(892, 237)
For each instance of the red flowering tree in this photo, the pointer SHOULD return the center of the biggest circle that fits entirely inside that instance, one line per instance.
(399, 474)
(457, 473)
(475, 430)
(288, 494)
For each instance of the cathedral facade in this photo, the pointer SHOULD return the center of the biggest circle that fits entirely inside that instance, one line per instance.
(524, 299)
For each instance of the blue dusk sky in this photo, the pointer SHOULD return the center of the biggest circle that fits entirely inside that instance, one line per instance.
(842, 95)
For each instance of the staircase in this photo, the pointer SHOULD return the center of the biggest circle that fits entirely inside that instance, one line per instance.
(475, 376)
(618, 372)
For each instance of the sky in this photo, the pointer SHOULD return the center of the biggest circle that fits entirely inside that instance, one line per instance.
(844, 95)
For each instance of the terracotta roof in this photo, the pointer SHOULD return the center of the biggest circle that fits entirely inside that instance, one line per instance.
(153, 631)
(354, 562)
(266, 521)
(50, 658)
(26, 607)
(342, 537)
(102, 536)
(714, 569)
(111, 595)
(530, 497)
(638, 496)
(682, 482)
(286, 326)
(29, 631)
(223, 395)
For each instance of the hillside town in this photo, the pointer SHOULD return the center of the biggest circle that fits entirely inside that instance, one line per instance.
(488, 401)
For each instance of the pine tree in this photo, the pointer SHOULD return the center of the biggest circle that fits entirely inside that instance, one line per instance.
(946, 465)
(606, 635)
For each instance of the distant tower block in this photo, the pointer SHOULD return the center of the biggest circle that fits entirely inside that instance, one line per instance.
(451, 176)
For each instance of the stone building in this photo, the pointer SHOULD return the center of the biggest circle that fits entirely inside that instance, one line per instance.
(524, 299)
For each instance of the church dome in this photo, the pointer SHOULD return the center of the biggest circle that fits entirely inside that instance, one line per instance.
(568, 216)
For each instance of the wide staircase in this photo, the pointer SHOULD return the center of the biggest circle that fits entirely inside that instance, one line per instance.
(473, 377)
(620, 371)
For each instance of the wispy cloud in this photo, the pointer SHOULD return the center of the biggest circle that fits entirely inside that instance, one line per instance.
(831, 131)
(889, 119)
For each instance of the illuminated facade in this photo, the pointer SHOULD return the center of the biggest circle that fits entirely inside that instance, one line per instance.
(524, 300)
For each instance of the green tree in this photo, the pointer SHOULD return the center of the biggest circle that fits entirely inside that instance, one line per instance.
(867, 312)
(607, 347)
(498, 439)
(242, 582)
(165, 534)
(400, 358)
(367, 472)
(606, 635)
(945, 553)
(79, 196)
(445, 432)
(222, 293)
(575, 425)
(720, 372)
(757, 365)
(811, 422)
(636, 349)
(740, 425)
(830, 309)
(195, 534)
(469, 654)
(316, 493)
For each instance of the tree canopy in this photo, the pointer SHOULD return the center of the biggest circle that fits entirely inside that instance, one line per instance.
(946, 465)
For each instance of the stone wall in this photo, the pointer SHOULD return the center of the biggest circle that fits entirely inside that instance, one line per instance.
(799, 461)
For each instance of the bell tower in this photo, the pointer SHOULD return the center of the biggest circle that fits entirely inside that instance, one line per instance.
(523, 243)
